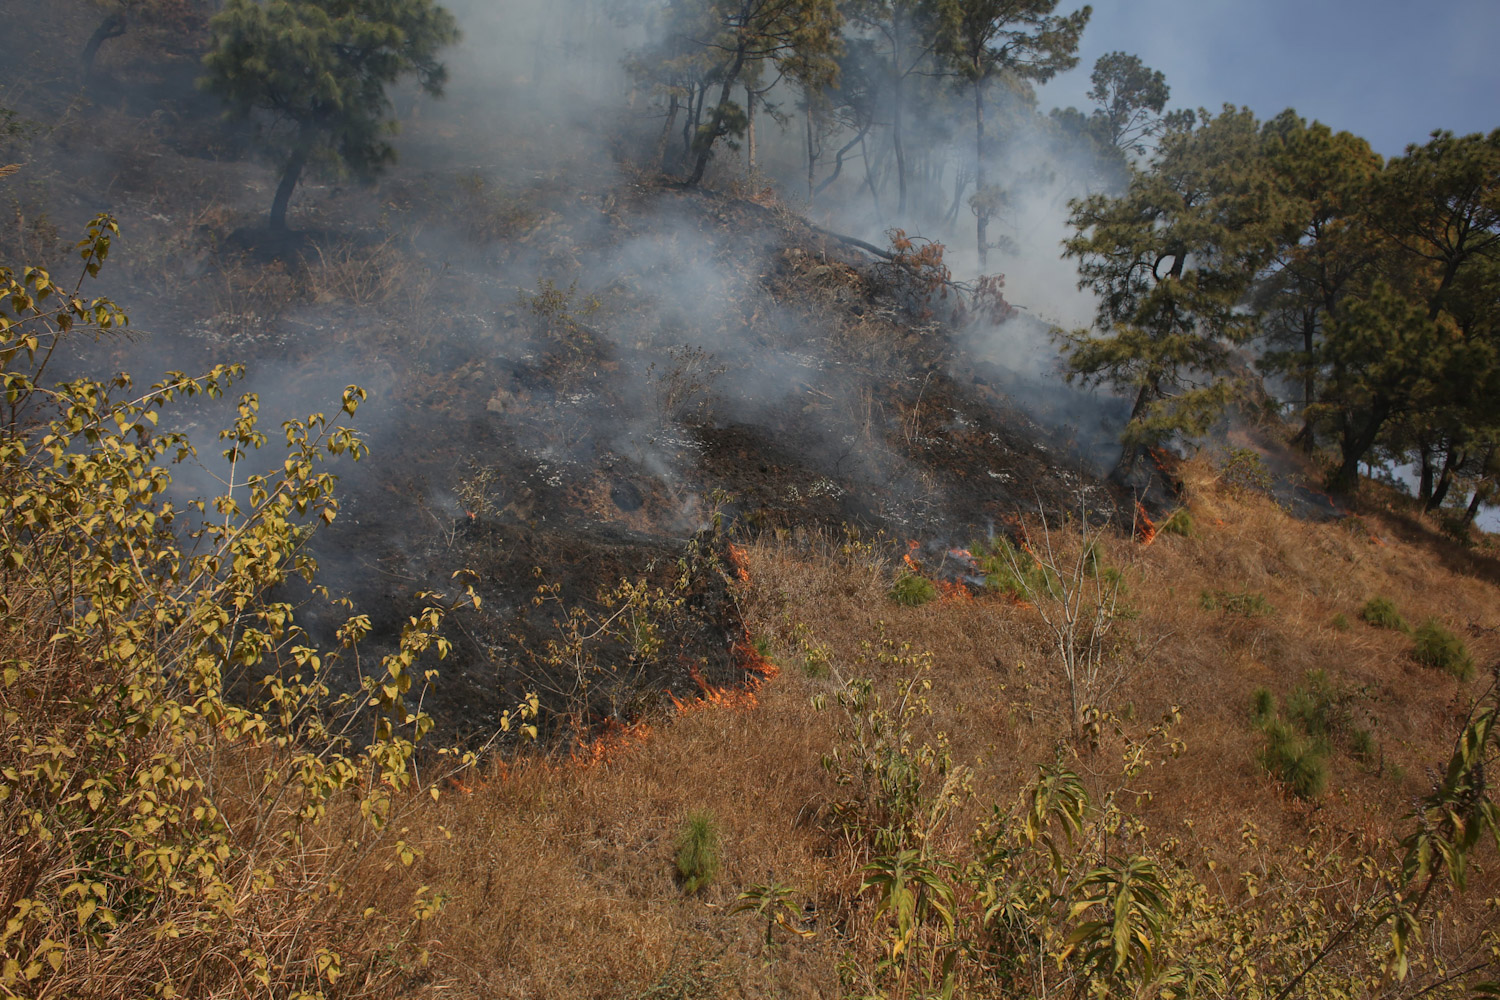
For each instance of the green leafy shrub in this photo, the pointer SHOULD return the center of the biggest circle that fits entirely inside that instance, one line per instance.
(697, 851)
(1381, 612)
(1341, 622)
(1435, 646)
(1320, 709)
(817, 661)
(1246, 603)
(1244, 471)
(913, 591)
(163, 818)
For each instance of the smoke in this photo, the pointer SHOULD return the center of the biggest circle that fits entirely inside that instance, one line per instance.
(554, 340)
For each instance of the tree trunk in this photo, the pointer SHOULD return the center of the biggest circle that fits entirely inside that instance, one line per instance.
(706, 147)
(838, 161)
(812, 156)
(666, 131)
(695, 117)
(289, 177)
(1355, 441)
(1305, 438)
(960, 185)
(1131, 453)
(1424, 483)
(1451, 462)
(750, 130)
(112, 26)
(897, 84)
(983, 213)
(864, 154)
(1472, 511)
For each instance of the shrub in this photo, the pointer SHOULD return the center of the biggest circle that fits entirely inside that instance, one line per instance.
(1381, 612)
(913, 591)
(161, 817)
(1456, 527)
(1244, 471)
(817, 661)
(1340, 622)
(1017, 573)
(1320, 709)
(1298, 742)
(1245, 603)
(1437, 647)
(697, 851)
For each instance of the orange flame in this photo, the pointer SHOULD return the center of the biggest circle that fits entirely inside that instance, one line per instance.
(1145, 528)
(616, 739)
(739, 562)
(953, 590)
(911, 563)
(716, 697)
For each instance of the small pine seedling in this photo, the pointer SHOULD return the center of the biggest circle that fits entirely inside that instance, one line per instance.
(697, 851)
(1381, 612)
(913, 591)
(1437, 647)
(1180, 523)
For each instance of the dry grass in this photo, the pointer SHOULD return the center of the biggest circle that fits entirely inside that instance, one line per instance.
(560, 874)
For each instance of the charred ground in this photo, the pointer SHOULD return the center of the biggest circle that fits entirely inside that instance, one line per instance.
(575, 368)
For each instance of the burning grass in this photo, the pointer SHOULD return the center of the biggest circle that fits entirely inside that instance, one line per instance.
(569, 873)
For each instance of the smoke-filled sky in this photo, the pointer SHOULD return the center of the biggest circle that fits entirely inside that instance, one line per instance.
(1388, 70)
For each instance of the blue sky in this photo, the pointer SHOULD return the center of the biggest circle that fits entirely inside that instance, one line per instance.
(1389, 70)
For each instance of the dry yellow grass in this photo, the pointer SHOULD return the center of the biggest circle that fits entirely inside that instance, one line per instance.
(560, 875)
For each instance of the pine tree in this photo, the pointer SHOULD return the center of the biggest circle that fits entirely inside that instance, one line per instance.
(1327, 253)
(903, 35)
(1172, 261)
(708, 48)
(317, 72)
(1410, 356)
(1442, 209)
(120, 15)
(1019, 40)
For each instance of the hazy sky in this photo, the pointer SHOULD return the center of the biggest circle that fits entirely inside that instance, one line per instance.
(1389, 70)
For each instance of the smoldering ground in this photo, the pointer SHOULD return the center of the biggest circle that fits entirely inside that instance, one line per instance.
(573, 363)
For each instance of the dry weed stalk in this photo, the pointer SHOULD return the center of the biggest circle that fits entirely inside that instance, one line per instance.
(1078, 600)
